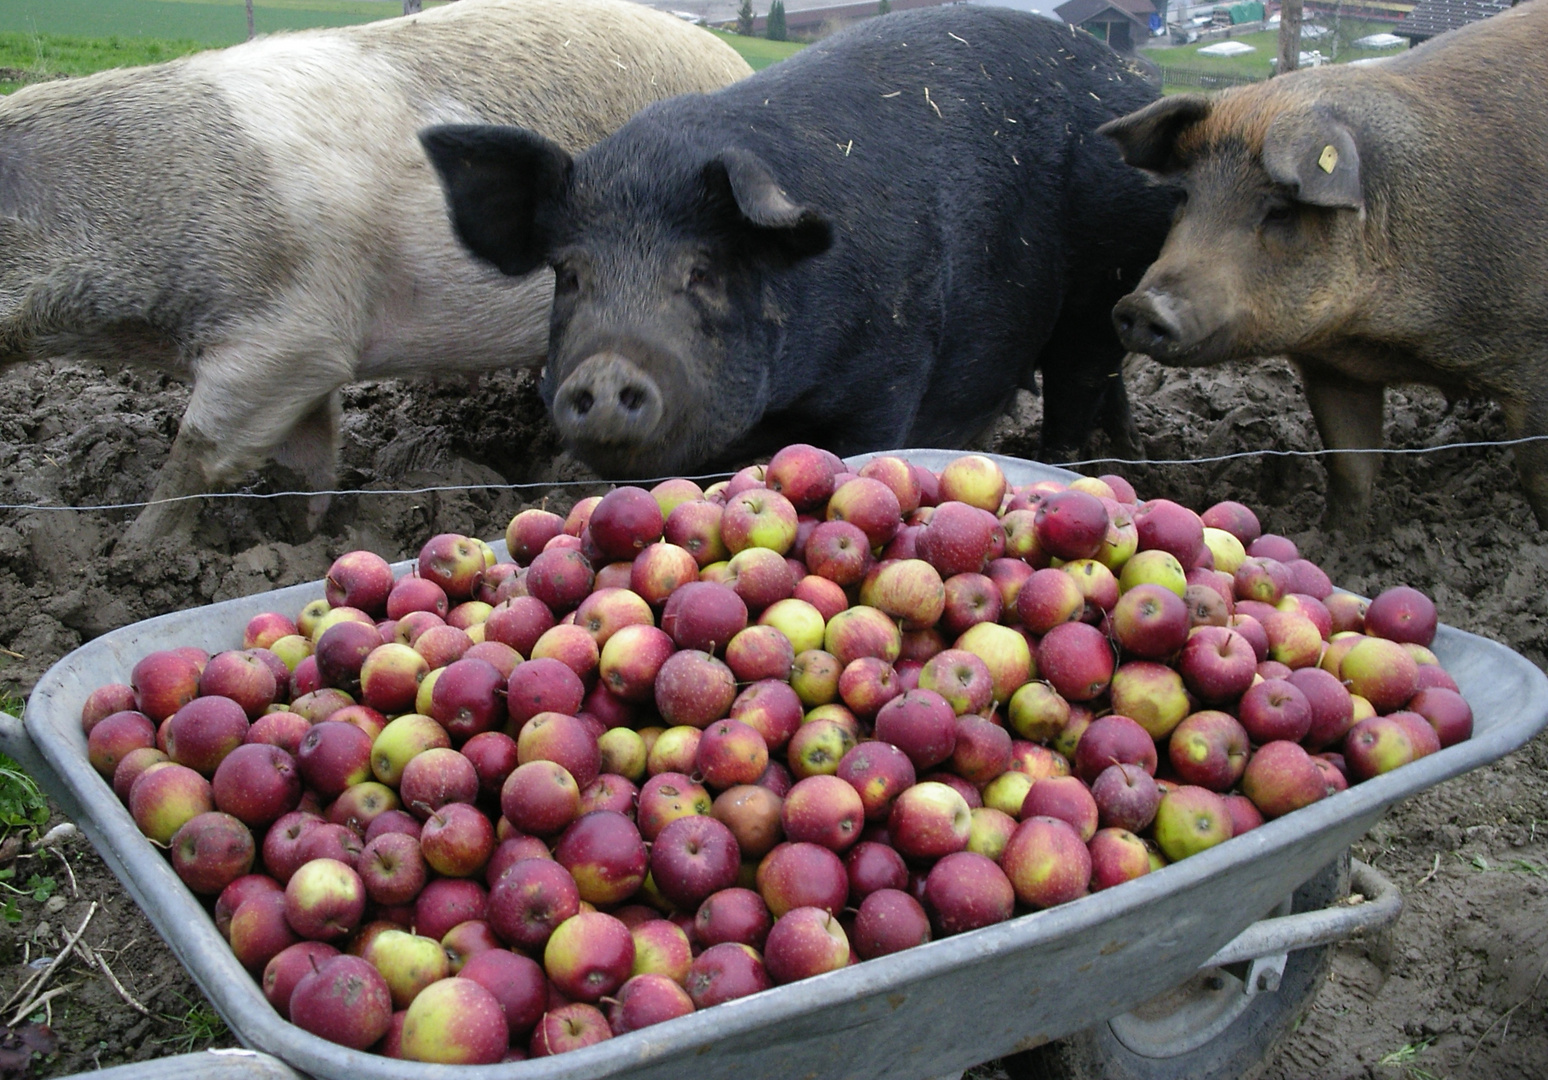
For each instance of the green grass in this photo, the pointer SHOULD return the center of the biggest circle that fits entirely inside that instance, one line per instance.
(208, 22)
(758, 52)
(1266, 43)
(199, 1026)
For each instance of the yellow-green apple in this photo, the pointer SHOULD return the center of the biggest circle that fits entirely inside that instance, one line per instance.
(1381, 671)
(622, 752)
(1006, 653)
(814, 676)
(1047, 862)
(1151, 694)
(324, 900)
(1037, 712)
(1097, 584)
(667, 796)
(400, 741)
(800, 623)
(990, 831)
(820, 743)
(1008, 791)
(455, 1022)
(1155, 567)
(1020, 529)
(1038, 761)
(862, 631)
(973, 479)
(1209, 749)
(1226, 551)
(675, 750)
(408, 963)
(453, 562)
(1189, 820)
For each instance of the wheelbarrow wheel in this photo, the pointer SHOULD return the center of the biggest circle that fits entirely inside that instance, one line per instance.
(1206, 1029)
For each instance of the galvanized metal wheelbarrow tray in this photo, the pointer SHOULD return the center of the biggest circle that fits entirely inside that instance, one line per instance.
(922, 1013)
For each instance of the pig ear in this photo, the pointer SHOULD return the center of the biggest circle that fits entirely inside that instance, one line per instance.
(1315, 156)
(498, 181)
(1148, 138)
(800, 230)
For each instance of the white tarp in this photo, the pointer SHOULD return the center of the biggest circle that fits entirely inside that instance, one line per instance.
(1227, 48)
(1378, 41)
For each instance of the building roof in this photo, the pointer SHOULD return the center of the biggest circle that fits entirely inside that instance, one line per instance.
(1080, 11)
(1432, 17)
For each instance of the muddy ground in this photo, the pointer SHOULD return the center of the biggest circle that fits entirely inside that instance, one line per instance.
(1456, 990)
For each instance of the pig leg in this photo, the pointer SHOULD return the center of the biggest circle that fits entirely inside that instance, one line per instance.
(312, 450)
(182, 474)
(254, 400)
(1524, 418)
(1348, 415)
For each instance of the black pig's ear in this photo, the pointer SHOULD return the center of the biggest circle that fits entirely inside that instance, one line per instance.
(1148, 138)
(1315, 156)
(499, 182)
(799, 230)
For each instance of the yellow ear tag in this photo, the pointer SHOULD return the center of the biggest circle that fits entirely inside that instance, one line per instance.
(1328, 160)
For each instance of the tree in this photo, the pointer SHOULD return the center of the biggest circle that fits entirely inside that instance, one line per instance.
(884, 7)
(744, 19)
(775, 28)
(249, 20)
(1289, 36)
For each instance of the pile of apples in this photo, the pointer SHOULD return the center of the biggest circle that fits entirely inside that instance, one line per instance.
(690, 744)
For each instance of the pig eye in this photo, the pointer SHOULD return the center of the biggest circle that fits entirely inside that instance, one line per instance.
(1279, 216)
(565, 279)
(699, 277)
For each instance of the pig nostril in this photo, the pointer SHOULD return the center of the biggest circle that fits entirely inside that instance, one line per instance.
(1125, 324)
(631, 398)
(582, 402)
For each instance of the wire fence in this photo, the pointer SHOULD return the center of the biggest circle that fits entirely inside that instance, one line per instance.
(1205, 79)
(544, 485)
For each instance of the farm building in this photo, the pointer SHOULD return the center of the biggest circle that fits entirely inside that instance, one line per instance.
(1432, 17)
(1123, 24)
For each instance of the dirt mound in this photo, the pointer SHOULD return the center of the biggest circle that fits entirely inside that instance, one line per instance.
(1456, 989)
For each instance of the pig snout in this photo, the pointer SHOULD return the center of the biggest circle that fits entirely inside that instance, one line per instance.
(1147, 322)
(608, 400)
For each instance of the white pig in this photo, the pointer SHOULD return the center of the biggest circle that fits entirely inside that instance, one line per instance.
(262, 221)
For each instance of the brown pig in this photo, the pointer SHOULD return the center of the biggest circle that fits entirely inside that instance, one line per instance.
(1376, 224)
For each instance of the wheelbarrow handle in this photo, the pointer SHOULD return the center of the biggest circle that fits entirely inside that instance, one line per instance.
(1379, 905)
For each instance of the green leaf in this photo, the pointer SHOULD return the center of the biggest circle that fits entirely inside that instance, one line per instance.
(12, 913)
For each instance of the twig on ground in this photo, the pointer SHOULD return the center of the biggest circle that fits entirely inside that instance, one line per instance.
(1505, 1017)
(37, 982)
(101, 964)
(39, 1002)
(1433, 868)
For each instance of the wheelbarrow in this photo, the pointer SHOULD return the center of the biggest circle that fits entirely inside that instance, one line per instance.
(1192, 971)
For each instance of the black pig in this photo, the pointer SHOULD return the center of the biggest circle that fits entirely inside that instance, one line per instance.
(869, 245)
